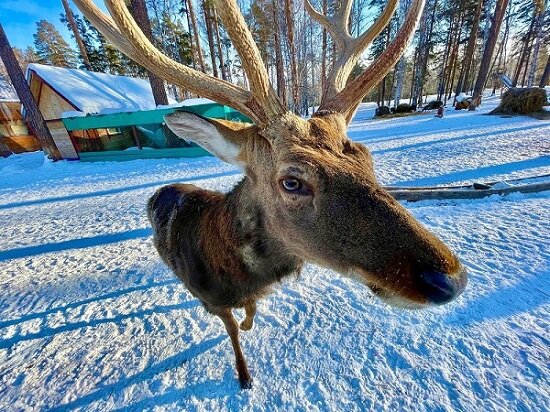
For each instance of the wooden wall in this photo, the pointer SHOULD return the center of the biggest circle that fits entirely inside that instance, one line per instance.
(52, 105)
(62, 139)
(13, 131)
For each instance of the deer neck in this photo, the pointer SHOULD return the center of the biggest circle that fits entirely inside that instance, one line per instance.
(263, 258)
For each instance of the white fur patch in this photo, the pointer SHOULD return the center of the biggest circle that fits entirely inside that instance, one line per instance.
(196, 129)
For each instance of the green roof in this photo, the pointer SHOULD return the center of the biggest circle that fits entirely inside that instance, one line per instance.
(126, 119)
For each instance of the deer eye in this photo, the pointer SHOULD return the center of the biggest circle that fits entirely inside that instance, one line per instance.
(291, 184)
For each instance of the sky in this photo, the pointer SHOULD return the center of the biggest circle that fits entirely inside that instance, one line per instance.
(19, 17)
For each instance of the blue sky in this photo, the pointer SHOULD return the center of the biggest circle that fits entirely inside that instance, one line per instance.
(19, 17)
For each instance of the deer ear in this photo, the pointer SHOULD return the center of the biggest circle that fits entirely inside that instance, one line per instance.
(224, 139)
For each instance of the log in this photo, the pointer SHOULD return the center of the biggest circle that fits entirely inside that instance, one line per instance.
(449, 194)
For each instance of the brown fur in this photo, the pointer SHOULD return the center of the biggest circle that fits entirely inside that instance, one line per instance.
(229, 249)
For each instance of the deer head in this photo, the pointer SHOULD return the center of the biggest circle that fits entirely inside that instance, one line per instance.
(316, 188)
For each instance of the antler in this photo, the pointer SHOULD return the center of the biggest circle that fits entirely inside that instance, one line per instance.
(339, 97)
(260, 104)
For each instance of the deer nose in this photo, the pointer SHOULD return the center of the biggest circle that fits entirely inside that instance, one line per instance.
(440, 287)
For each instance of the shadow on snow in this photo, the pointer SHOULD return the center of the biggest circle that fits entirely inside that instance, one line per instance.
(81, 243)
(151, 371)
(117, 190)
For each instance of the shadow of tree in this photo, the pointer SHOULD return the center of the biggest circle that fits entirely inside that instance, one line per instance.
(117, 190)
(48, 331)
(148, 373)
(477, 173)
(209, 389)
(526, 295)
(72, 305)
(430, 143)
(80, 243)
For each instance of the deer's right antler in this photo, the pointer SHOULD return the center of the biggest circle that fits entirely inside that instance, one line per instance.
(348, 48)
(338, 96)
(260, 104)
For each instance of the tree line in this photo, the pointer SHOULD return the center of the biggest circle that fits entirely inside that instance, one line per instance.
(461, 46)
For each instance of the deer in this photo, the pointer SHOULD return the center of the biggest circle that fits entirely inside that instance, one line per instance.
(309, 193)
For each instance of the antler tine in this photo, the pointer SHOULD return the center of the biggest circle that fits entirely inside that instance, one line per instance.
(343, 13)
(253, 65)
(136, 46)
(367, 37)
(347, 100)
(348, 48)
(336, 25)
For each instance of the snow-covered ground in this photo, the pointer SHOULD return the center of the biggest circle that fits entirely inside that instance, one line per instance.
(90, 319)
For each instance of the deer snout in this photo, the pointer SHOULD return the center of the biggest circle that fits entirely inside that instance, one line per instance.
(440, 288)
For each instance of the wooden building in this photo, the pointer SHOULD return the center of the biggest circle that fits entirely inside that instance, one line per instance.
(97, 116)
(14, 134)
(61, 92)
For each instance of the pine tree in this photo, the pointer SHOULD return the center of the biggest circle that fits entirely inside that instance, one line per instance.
(51, 47)
(69, 15)
(139, 12)
(496, 21)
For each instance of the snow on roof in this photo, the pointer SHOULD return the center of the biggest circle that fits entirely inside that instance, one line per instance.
(93, 92)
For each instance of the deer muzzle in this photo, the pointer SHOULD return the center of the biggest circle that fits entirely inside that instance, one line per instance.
(441, 288)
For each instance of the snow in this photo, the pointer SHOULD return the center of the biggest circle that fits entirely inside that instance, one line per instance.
(93, 92)
(187, 102)
(90, 319)
(7, 92)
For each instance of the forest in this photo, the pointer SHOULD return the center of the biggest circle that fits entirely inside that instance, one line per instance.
(460, 46)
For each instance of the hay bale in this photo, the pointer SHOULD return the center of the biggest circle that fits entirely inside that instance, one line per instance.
(521, 101)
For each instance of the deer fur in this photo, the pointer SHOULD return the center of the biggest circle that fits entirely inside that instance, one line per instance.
(229, 249)
(309, 193)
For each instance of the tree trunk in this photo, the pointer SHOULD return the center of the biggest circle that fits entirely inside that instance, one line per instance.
(448, 45)
(197, 47)
(522, 55)
(279, 64)
(295, 84)
(423, 54)
(546, 75)
(469, 53)
(400, 67)
(209, 33)
(496, 21)
(139, 12)
(527, 59)
(216, 27)
(32, 113)
(74, 28)
(536, 47)
(451, 66)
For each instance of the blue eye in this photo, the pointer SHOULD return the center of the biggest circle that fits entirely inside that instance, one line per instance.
(291, 184)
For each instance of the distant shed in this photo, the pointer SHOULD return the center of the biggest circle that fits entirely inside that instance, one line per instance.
(60, 90)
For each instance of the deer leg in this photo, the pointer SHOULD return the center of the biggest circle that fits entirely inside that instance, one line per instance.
(232, 328)
(250, 310)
